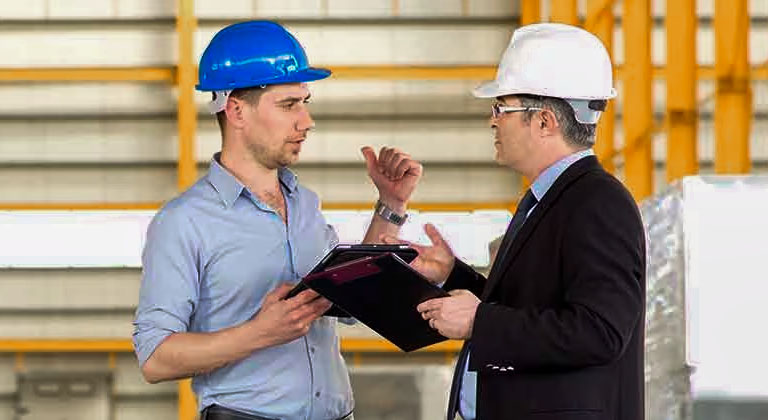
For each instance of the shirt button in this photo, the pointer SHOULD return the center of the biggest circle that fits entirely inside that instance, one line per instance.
(317, 394)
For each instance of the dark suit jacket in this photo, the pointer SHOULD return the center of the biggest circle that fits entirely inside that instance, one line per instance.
(560, 330)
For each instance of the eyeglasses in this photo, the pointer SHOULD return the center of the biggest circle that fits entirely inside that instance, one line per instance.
(497, 109)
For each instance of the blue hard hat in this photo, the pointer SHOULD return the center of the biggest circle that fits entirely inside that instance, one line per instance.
(254, 53)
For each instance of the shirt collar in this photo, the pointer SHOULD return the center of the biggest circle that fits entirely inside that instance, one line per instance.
(544, 181)
(230, 188)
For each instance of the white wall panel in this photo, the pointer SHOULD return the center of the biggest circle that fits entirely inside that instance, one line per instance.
(333, 142)
(90, 99)
(29, 9)
(7, 377)
(493, 8)
(146, 184)
(65, 9)
(330, 97)
(7, 407)
(143, 409)
(69, 289)
(289, 8)
(147, 45)
(430, 8)
(88, 141)
(128, 379)
(70, 326)
(360, 8)
(46, 362)
(62, 184)
(455, 184)
(224, 9)
(383, 44)
(133, 9)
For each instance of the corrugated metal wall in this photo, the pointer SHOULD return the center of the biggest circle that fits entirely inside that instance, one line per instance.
(75, 142)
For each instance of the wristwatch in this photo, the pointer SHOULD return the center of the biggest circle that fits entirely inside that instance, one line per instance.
(389, 215)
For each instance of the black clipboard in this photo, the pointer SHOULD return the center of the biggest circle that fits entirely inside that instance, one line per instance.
(382, 292)
(344, 253)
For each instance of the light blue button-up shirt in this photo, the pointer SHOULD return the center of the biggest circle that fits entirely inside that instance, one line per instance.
(211, 256)
(540, 186)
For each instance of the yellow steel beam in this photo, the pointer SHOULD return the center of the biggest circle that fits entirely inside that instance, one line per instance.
(424, 206)
(564, 11)
(375, 345)
(89, 74)
(370, 72)
(365, 345)
(638, 107)
(187, 400)
(79, 206)
(682, 113)
(595, 20)
(186, 24)
(530, 11)
(733, 100)
(600, 21)
(65, 346)
(406, 72)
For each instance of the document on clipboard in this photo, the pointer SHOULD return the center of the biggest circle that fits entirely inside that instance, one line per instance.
(382, 292)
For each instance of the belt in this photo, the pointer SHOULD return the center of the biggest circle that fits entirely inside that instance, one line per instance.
(217, 412)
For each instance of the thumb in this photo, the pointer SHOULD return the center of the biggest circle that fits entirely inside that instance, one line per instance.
(435, 236)
(278, 293)
(370, 158)
(392, 240)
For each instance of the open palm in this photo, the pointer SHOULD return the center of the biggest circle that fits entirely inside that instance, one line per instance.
(434, 262)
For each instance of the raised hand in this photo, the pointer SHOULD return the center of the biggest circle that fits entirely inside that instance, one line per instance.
(394, 173)
(434, 262)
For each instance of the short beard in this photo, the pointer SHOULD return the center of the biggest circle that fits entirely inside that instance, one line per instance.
(269, 159)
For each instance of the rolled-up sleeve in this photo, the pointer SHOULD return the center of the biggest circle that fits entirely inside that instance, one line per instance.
(170, 281)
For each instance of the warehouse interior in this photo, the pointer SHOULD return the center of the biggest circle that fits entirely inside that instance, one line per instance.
(100, 124)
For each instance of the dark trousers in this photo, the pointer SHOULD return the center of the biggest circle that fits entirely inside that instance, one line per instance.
(217, 412)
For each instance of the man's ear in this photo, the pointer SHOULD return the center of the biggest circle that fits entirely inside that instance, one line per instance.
(235, 112)
(547, 123)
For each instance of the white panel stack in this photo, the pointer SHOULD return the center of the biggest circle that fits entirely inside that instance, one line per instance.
(706, 293)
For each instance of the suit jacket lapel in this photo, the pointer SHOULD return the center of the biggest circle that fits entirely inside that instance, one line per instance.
(503, 262)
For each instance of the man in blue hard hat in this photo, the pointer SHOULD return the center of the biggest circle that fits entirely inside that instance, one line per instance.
(213, 300)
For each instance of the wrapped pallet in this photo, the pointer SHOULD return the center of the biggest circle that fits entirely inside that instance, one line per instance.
(707, 297)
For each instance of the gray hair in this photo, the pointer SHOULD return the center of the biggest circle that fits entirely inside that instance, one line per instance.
(575, 133)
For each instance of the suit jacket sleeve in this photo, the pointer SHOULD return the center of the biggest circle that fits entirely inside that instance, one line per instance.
(465, 277)
(603, 264)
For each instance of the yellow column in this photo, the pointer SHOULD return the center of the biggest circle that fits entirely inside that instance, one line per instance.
(600, 21)
(187, 114)
(530, 12)
(682, 115)
(187, 401)
(733, 101)
(638, 107)
(564, 11)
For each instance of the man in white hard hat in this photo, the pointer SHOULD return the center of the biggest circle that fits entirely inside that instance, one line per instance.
(556, 330)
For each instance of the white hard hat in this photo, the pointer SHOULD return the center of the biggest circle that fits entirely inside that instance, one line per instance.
(555, 60)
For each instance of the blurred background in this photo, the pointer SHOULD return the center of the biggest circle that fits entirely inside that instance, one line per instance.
(100, 124)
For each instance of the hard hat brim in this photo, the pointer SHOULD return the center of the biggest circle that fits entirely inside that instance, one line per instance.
(309, 74)
(492, 89)
(488, 89)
